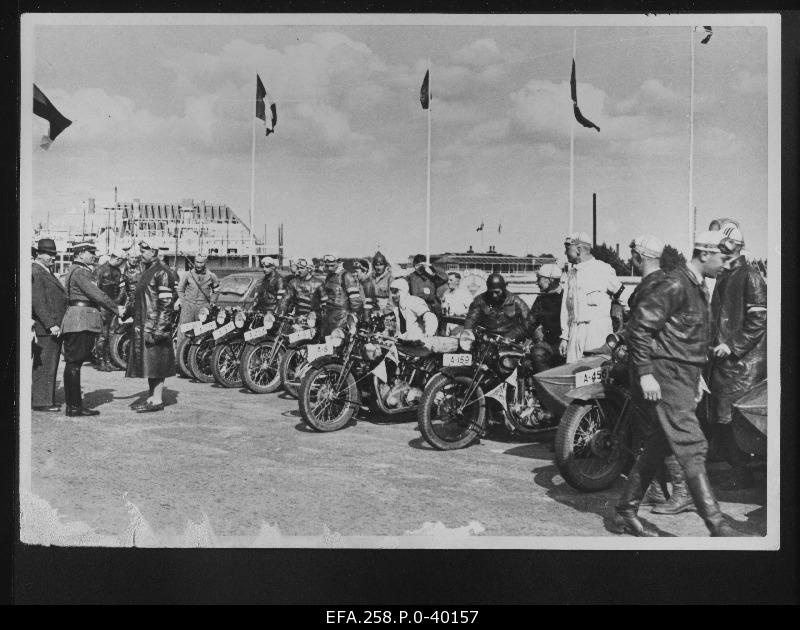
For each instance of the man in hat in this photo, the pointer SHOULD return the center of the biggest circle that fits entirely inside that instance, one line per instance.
(195, 290)
(361, 271)
(272, 289)
(425, 281)
(49, 302)
(498, 310)
(109, 279)
(340, 295)
(82, 323)
(381, 279)
(591, 284)
(668, 347)
(544, 321)
(739, 347)
(151, 353)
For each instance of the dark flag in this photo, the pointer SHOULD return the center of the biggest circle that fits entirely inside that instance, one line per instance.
(478, 229)
(709, 33)
(261, 110)
(578, 116)
(499, 228)
(424, 92)
(44, 108)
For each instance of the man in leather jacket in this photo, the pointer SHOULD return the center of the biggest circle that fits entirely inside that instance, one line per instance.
(544, 320)
(668, 346)
(302, 291)
(110, 281)
(498, 310)
(361, 272)
(151, 352)
(272, 289)
(424, 282)
(381, 279)
(340, 295)
(739, 340)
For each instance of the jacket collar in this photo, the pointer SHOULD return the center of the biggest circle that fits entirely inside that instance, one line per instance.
(692, 274)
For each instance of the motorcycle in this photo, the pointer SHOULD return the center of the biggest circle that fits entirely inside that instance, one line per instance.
(749, 421)
(387, 373)
(454, 410)
(262, 353)
(201, 346)
(229, 342)
(295, 359)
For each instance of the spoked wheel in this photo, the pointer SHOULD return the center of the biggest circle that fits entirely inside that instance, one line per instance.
(326, 405)
(260, 368)
(225, 363)
(182, 356)
(200, 360)
(593, 444)
(293, 360)
(447, 420)
(119, 346)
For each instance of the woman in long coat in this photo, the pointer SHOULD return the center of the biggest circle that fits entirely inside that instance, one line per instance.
(151, 354)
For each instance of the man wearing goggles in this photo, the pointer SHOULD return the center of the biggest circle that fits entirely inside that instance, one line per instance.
(341, 294)
(302, 291)
(272, 288)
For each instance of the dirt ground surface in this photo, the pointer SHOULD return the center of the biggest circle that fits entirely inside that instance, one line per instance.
(225, 466)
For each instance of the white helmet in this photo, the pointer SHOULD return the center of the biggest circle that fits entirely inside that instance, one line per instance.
(549, 270)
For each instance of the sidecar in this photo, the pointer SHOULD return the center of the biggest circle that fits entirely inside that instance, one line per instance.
(552, 385)
(749, 420)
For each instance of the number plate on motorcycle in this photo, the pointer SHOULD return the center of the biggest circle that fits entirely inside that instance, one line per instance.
(204, 328)
(256, 333)
(189, 326)
(224, 330)
(300, 335)
(456, 360)
(317, 350)
(588, 377)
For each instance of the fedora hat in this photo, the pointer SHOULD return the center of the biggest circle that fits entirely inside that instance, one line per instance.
(46, 246)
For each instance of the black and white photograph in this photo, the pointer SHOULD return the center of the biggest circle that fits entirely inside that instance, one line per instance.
(400, 281)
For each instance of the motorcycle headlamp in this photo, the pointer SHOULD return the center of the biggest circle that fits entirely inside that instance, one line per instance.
(311, 319)
(221, 317)
(239, 319)
(509, 362)
(620, 353)
(337, 337)
(612, 341)
(269, 320)
(466, 340)
(371, 351)
(202, 314)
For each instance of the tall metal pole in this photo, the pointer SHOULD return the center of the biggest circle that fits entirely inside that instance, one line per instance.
(252, 190)
(83, 227)
(572, 149)
(691, 147)
(594, 219)
(428, 206)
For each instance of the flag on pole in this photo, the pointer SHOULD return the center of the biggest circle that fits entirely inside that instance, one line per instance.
(380, 371)
(499, 228)
(44, 108)
(499, 394)
(261, 109)
(478, 229)
(393, 356)
(709, 33)
(578, 116)
(424, 92)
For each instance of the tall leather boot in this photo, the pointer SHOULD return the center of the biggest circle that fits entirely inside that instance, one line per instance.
(680, 500)
(626, 517)
(69, 387)
(708, 508)
(657, 491)
(75, 405)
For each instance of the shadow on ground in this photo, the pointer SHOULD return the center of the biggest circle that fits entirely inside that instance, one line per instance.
(98, 397)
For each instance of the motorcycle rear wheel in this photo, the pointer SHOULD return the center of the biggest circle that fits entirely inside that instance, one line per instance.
(588, 457)
(443, 429)
(291, 363)
(119, 345)
(257, 376)
(200, 360)
(182, 356)
(322, 408)
(225, 363)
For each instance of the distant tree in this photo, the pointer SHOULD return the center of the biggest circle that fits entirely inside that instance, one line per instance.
(671, 258)
(546, 256)
(609, 255)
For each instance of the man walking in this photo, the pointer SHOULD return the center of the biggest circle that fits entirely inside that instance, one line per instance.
(82, 322)
(668, 343)
(49, 303)
(586, 307)
(195, 290)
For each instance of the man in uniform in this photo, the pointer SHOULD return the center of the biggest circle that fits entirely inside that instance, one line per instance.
(110, 281)
(424, 282)
(302, 291)
(544, 321)
(413, 318)
(381, 279)
(362, 273)
(586, 307)
(272, 289)
(739, 340)
(82, 322)
(151, 353)
(340, 295)
(195, 291)
(498, 310)
(49, 303)
(668, 345)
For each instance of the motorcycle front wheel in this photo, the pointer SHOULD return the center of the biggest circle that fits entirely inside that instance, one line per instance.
(200, 360)
(293, 360)
(225, 363)
(119, 345)
(324, 406)
(182, 357)
(441, 423)
(259, 374)
(589, 455)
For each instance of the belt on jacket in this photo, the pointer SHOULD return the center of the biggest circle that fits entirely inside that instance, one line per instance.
(82, 303)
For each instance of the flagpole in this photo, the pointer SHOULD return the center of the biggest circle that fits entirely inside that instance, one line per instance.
(252, 190)
(428, 206)
(572, 148)
(691, 145)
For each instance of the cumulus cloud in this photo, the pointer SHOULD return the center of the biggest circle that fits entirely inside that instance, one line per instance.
(480, 53)
(545, 108)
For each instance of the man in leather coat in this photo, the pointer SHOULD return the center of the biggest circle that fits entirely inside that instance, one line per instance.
(151, 353)
(424, 282)
(272, 289)
(110, 281)
(668, 347)
(340, 295)
(544, 320)
(498, 310)
(302, 291)
(739, 341)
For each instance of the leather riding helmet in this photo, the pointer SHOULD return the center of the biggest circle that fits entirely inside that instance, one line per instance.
(495, 281)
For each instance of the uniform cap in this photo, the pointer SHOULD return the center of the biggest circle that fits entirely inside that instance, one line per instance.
(708, 241)
(266, 260)
(46, 246)
(401, 284)
(732, 232)
(419, 258)
(578, 238)
(145, 245)
(330, 258)
(84, 246)
(200, 258)
(550, 270)
(648, 245)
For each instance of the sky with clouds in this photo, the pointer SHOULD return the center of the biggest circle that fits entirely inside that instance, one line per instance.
(165, 112)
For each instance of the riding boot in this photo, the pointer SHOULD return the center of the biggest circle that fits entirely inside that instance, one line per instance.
(69, 387)
(741, 476)
(626, 519)
(708, 508)
(680, 500)
(657, 491)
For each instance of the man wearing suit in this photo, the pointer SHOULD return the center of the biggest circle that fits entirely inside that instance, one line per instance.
(49, 302)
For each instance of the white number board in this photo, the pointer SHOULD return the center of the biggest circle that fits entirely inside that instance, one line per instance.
(300, 335)
(205, 328)
(456, 360)
(224, 330)
(588, 377)
(317, 350)
(189, 326)
(256, 333)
